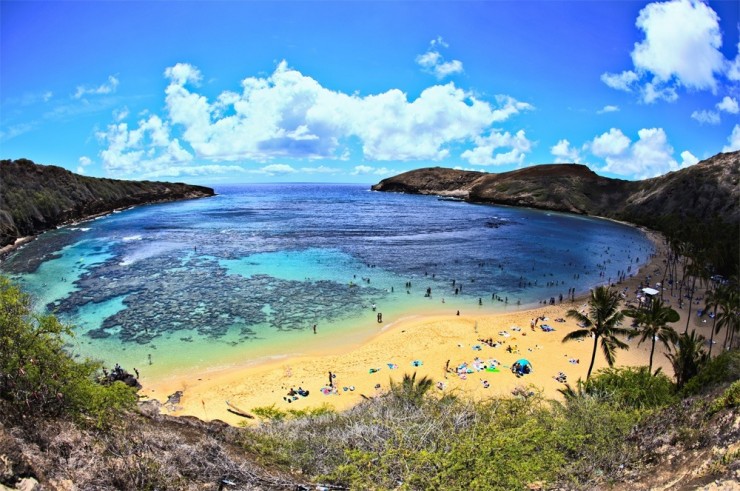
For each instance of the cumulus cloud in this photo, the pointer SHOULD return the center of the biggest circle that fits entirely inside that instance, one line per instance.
(620, 81)
(651, 155)
(706, 117)
(276, 169)
(652, 91)
(290, 115)
(484, 152)
(433, 62)
(681, 48)
(564, 152)
(733, 141)
(733, 67)
(120, 114)
(608, 109)
(687, 159)
(682, 40)
(106, 88)
(147, 149)
(191, 171)
(366, 170)
(321, 169)
(729, 105)
(611, 143)
(83, 161)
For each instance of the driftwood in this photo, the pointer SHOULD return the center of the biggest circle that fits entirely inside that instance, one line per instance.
(235, 410)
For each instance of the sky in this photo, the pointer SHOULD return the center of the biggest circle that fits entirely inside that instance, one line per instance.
(355, 91)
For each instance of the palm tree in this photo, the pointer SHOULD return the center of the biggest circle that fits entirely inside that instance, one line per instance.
(688, 358)
(602, 322)
(411, 390)
(654, 322)
(714, 299)
(729, 317)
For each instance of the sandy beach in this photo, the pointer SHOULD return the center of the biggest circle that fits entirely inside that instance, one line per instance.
(425, 345)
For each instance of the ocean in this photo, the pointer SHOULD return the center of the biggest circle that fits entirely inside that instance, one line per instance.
(246, 275)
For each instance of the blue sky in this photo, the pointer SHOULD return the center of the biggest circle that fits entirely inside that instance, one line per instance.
(247, 91)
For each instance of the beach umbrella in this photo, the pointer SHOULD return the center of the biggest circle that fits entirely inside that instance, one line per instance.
(523, 362)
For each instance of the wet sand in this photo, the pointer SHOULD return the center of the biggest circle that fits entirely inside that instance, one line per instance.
(430, 341)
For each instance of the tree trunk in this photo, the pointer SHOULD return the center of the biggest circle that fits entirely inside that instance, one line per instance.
(652, 350)
(691, 301)
(711, 338)
(593, 357)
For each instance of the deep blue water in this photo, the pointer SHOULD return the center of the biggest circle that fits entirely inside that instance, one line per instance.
(261, 263)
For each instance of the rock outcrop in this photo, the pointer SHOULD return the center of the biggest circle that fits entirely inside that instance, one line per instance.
(703, 191)
(35, 198)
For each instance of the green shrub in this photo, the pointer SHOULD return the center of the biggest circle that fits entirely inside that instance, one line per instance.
(729, 399)
(719, 370)
(632, 387)
(37, 377)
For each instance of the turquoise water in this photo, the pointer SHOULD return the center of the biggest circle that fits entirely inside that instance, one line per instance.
(247, 274)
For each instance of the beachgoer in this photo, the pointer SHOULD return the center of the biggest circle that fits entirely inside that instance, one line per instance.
(314, 328)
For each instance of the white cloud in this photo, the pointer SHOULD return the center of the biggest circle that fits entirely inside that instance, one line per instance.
(364, 170)
(733, 140)
(608, 109)
(509, 107)
(611, 143)
(563, 151)
(433, 62)
(183, 73)
(120, 114)
(733, 67)
(197, 170)
(729, 105)
(687, 159)
(651, 155)
(484, 151)
(83, 162)
(290, 115)
(322, 169)
(106, 88)
(276, 169)
(147, 150)
(706, 117)
(653, 91)
(622, 81)
(680, 48)
(682, 40)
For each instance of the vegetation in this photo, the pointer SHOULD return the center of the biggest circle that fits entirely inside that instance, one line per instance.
(602, 322)
(36, 198)
(654, 323)
(688, 358)
(37, 377)
(410, 437)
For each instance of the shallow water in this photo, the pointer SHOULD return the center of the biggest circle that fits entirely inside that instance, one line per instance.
(246, 274)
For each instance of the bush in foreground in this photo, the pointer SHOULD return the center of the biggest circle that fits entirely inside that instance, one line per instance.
(38, 378)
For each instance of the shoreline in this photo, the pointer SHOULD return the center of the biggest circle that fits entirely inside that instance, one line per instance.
(19, 242)
(421, 344)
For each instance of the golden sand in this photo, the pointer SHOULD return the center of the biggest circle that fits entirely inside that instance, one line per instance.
(431, 341)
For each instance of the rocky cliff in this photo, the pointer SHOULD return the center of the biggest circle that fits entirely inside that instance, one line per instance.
(35, 198)
(703, 191)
